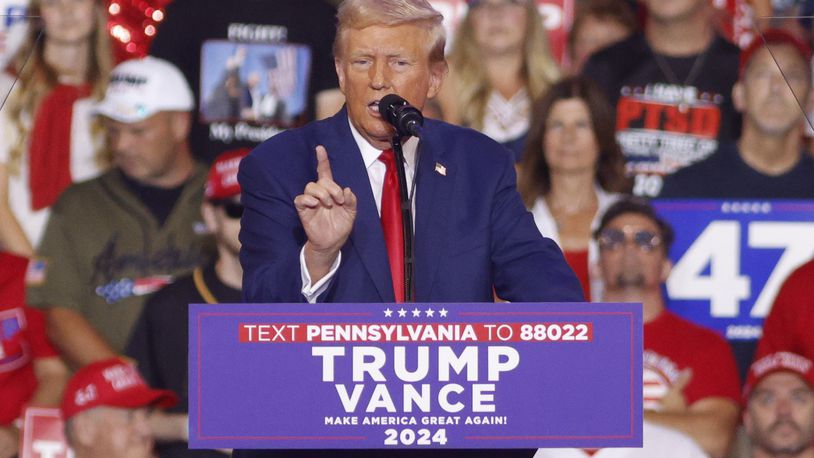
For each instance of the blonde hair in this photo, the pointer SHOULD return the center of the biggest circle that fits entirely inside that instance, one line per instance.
(539, 70)
(36, 78)
(358, 14)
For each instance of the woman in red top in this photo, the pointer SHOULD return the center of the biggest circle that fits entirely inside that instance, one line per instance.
(47, 136)
(572, 171)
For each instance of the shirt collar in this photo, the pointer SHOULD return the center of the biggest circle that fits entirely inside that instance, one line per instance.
(370, 154)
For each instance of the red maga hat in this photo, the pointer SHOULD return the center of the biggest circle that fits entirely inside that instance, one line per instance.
(111, 383)
(781, 361)
(222, 181)
(773, 37)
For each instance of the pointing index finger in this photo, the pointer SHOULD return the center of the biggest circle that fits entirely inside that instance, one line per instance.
(323, 165)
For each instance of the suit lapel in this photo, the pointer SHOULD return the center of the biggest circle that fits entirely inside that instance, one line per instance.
(367, 238)
(434, 186)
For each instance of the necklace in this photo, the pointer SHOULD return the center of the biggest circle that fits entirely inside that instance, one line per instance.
(672, 78)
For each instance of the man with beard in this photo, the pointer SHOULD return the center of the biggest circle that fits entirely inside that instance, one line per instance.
(690, 377)
(779, 415)
(159, 340)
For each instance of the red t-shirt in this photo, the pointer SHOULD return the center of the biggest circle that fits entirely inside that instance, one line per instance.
(672, 344)
(789, 324)
(22, 339)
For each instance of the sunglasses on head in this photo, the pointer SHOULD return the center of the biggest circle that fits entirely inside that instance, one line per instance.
(613, 239)
(233, 210)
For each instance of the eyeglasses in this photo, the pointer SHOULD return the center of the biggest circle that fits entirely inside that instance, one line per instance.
(613, 239)
(233, 210)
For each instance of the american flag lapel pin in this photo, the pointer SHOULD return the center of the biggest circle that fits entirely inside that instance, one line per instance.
(440, 169)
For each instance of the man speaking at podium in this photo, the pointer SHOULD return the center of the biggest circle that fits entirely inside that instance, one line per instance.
(323, 219)
(313, 196)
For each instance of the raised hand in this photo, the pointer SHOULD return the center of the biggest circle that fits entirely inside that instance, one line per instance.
(675, 400)
(327, 212)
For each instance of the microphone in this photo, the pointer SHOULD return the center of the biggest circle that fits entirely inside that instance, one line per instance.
(406, 118)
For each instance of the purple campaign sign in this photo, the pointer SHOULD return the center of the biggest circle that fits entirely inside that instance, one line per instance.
(515, 375)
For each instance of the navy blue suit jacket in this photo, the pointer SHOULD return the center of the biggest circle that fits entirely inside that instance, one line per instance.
(471, 228)
(472, 232)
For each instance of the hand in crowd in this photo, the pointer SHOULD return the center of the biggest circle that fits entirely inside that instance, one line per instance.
(327, 212)
(675, 400)
(9, 441)
(169, 426)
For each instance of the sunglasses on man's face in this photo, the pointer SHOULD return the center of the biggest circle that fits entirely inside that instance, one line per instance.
(233, 210)
(614, 239)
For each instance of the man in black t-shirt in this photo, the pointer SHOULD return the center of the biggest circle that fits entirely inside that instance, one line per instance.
(257, 67)
(768, 161)
(160, 337)
(672, 89)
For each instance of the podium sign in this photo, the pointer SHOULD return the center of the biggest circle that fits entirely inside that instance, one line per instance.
(351, 376)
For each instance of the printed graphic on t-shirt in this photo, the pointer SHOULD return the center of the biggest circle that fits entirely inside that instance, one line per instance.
(14, 350)
(658, 373)
(120, 289)
(258, 83)
(664, 127)
(35, 273)
(119, 273)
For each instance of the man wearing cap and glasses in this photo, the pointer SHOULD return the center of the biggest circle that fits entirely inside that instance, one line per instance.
(779, 406)
(159, 340)
(105, 408)
(115, 239)
(690, 377)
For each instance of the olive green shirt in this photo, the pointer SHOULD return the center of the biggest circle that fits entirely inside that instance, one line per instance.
(105, 252)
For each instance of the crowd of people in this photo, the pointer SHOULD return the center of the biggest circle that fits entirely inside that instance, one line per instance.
(120, 202)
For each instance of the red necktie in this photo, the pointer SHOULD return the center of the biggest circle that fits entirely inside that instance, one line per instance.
(391, 223)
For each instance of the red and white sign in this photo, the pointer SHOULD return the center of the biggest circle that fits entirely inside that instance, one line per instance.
(44, 435)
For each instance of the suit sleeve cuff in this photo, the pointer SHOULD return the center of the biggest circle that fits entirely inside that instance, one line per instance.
(312, 292)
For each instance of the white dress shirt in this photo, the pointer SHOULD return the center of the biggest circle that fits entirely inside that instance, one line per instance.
(548, 228)
(375, 171)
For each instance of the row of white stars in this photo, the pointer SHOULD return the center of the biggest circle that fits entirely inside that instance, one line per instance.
(416, 312)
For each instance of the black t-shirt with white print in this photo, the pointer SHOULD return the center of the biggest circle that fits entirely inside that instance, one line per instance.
(670, 111)
(255, 66)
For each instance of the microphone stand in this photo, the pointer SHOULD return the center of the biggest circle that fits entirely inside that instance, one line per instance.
(406, 219)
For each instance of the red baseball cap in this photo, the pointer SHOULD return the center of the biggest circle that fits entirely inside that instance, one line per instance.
(222, 181)
(782, 361)
(773, 37)
(111, 383)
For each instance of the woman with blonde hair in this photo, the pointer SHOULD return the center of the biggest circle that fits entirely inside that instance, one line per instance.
(499, 63)
(48, 139)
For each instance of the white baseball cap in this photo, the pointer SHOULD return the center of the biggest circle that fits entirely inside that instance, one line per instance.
(140, 88)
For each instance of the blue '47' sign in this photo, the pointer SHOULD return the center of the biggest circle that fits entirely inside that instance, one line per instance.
(731, 258)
